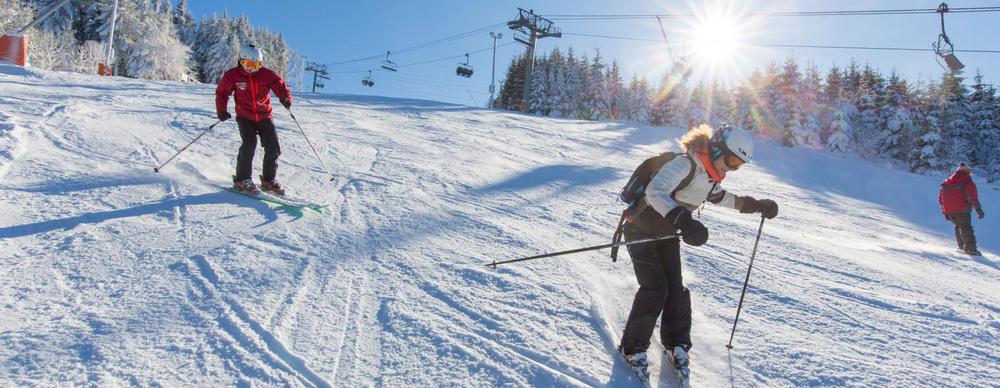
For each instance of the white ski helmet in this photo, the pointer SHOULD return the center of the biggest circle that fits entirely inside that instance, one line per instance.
(251, 53)
(728, 140)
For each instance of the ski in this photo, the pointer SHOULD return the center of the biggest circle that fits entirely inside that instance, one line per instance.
(640, 372)
(281, 200)
(683, 373)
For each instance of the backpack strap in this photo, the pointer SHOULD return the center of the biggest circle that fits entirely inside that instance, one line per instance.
(640, 205)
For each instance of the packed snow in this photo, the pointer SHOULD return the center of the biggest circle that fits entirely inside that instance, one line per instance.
(114, 275)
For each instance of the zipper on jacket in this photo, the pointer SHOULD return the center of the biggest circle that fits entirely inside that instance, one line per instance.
(253, 97)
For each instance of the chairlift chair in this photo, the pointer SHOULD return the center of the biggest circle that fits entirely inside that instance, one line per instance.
(464, 69)
(368, 81)
(943, 47)
(387, 64)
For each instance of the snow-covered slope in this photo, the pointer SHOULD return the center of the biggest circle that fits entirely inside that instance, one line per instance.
(113, 275)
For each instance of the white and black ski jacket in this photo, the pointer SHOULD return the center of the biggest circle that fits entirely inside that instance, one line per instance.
(663, 194)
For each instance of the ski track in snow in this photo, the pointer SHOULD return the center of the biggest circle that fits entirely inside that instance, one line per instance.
(114, 275)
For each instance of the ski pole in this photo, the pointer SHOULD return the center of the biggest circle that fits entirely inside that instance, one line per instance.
(745, 281)
(310, 144)
(157, 169)
(495, 263)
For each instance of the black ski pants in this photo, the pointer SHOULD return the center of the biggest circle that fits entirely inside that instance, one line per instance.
(964, 235)
(661, 294)
(249, 130)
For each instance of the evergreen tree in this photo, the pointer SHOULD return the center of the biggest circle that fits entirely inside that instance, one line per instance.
(60, 22)
(510, 94)
(839, 130)
(187, 29)
(957, 126)
(616, 90)
(986, 136)
(927, 150)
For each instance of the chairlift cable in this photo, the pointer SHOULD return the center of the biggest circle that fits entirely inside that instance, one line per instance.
(792, 45)
(912, 11)
(423, 45)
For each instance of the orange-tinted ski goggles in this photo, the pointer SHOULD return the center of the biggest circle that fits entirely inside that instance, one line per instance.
(251, 65)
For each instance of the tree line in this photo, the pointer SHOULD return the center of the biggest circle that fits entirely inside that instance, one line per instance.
(927, 125)
(153, 39)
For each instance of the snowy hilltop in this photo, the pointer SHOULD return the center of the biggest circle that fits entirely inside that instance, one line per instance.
(114, 275)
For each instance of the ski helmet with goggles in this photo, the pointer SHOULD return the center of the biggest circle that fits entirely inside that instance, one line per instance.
(251, 57)
(732, 144)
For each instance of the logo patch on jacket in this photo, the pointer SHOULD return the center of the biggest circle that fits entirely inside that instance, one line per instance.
(241, 85)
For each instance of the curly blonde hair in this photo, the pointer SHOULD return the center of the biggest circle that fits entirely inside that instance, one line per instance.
(697, 139)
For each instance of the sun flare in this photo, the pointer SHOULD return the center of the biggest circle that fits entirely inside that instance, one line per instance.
(715, 39)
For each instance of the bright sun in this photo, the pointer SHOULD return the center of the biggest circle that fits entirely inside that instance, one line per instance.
(715, 46)
(715, 40)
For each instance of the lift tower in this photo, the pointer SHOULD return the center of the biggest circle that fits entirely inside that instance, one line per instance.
(532, 27)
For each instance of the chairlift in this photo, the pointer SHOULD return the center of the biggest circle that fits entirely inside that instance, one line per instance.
(943, 47)
(368, 81)
(464, 69)
(387, 64)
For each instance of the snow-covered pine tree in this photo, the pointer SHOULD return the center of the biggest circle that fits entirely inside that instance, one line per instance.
(868, 133)
(573, 84)
(659, 110)
(557, 82)
(636, 100)
(839, 130)
(597, 102)
(60, 22)
(509, 96)
(899, 126)
(187, 29)
(927, 150)
(147, 43)
(616, 90)
(276, 52)
(223, 51)
(986, 136)
(957, 126)
(538, 89)
(698, 109)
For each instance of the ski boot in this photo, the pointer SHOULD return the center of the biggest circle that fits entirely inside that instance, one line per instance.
(245, 186)
(639, 365)
(271, 186)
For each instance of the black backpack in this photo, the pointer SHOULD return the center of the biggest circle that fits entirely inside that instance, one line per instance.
(634, 191)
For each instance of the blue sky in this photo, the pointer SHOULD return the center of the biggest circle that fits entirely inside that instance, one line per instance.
(336, 31)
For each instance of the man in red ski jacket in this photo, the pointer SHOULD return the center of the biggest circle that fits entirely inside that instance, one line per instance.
(958, 197)
(251, 86)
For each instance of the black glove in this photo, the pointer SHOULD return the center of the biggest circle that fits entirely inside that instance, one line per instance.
(695, 234)
(223, 116)
(692, 231)
(768, 208)
(979, 211)
(286, 103)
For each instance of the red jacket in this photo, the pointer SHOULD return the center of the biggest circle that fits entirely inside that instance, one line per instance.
(253, 92)
(958, 193)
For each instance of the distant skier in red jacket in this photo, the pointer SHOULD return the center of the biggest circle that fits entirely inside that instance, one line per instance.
(958, 197)
(252, 85)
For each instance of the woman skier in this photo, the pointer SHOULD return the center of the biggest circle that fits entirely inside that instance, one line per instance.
(675, 190)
